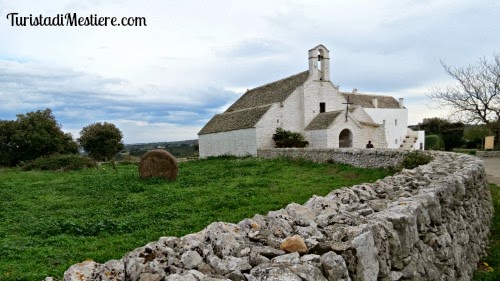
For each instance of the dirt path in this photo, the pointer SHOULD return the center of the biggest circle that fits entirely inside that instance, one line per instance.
(492, 167)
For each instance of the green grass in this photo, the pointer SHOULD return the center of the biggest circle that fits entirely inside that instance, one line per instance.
(51, 220)
(493, 258)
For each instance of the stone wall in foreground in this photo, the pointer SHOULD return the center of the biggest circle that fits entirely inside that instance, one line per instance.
(429, 223)
(359, 157)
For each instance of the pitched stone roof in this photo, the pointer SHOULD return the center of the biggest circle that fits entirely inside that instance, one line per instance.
(366, 100)
(371, 124)
(250, 107)
(228, 121)
(323, 120)
(270, 93)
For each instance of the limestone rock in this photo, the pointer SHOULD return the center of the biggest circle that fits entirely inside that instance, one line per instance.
(150, 277)
(178, 277)
(292, 258)
(274, 273)
(267, 252)
(308, 272)
(294, 244)
(191, 259)
(113, 270)
(228, 264)
(84, 271)
(334, 267)
(368, 265)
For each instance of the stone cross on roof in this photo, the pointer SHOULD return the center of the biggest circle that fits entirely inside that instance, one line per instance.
(347, 107)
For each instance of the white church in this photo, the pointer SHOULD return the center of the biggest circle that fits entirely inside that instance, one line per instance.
(309, 103)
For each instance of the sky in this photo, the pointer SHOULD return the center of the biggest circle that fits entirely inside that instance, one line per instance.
(193, 58)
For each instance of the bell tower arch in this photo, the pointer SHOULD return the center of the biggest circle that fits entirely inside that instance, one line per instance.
(319, 63)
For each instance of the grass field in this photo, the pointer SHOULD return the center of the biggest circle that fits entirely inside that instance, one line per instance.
(493, 258)
(51, 220)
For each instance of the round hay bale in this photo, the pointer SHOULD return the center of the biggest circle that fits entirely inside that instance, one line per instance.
(158, 163)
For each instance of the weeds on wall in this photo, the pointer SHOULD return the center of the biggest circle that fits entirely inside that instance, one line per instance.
(415, 159)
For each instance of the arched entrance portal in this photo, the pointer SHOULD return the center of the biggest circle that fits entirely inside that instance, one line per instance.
(345, 138)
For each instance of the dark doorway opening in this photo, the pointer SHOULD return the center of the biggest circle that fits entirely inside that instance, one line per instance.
(322, 107)
(345, 138)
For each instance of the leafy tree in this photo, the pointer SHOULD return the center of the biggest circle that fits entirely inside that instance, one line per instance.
(475, 95)
(101, 140)
(285, 138)
(433, 142)
(450, 134)
(472, 132)
(474, 135)
(7, 146)
(33, 135)
(432, 126)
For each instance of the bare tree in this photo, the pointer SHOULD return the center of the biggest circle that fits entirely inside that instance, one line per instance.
(475, 95)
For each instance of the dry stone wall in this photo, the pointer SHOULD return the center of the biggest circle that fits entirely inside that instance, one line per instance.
(428, 223)
(364, 158)
(488, 153)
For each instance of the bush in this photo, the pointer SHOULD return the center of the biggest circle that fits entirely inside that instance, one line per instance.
(434, 142)
(284, 138)
(415, 159)
(59, 162)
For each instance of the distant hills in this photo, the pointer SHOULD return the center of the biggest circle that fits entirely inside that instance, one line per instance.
(185, 148)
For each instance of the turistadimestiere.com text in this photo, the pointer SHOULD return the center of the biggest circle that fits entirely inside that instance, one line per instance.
(73, 19)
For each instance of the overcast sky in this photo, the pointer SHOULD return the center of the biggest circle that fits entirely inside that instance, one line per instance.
(164, 81)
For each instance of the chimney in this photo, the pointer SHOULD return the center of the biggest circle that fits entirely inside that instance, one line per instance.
(375, 102)
(354, 91)
(401, 105)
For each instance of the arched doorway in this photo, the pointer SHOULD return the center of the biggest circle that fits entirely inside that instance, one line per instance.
(345, 138)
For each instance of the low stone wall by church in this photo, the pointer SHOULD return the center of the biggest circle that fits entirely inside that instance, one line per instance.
(359, 157)
(488, 153)
(428, 223)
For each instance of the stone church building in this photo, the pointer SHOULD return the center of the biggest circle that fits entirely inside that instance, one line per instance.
(309, 103)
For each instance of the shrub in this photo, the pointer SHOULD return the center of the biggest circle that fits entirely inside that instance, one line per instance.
(158, 163)
(60, 162)
(434, 142)
(285, 138)
(415, 159)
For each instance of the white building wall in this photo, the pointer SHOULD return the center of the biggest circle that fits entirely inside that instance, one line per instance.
(267, 125)
(420, 143)
(291, 117)
(395, 133)
(316, 92)
(374, 134)
(317, 138)
(334, 131)
(239, 142)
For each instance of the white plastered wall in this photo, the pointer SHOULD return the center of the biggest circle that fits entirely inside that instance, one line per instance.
(395, 134)
(420, 143)
(316, 92)
(238, 142)
(317, 138)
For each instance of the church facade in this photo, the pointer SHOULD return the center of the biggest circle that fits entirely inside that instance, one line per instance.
(309, 103)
